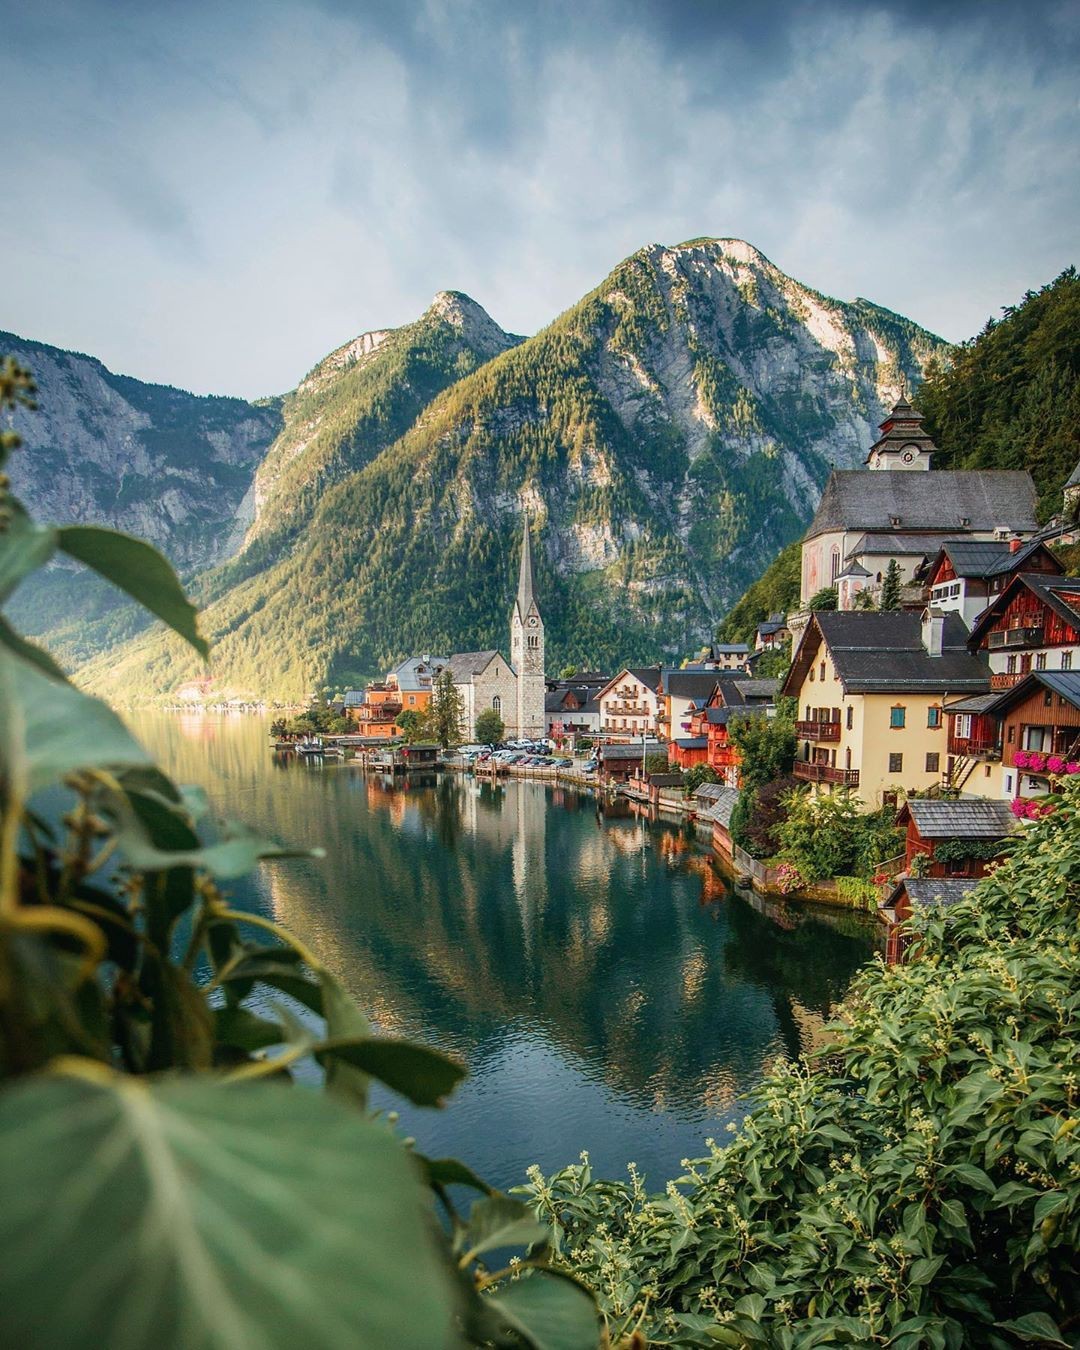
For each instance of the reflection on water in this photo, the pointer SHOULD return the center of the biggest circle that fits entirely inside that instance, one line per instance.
(605, 987)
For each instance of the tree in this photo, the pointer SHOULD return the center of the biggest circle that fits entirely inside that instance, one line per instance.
(826, 598)
(490, 728)
(411, 723)
(766, 745)
(890, 587)
(913, 1183)
(758, 814)
(694, 777)
(657, 762)
(864, 599)
(773, 663)
(567, 672)
(445, 712)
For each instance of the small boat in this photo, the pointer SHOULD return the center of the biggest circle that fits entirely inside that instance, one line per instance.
(309, 747)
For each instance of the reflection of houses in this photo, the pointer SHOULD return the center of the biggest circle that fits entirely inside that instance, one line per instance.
(916, 894)
(956, 838)
(629, 704)
(870, 689)
(866, 518)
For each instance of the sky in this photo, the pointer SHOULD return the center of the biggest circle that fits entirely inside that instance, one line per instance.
(216, 195)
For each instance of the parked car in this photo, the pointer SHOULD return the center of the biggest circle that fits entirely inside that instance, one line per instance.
(590, 766)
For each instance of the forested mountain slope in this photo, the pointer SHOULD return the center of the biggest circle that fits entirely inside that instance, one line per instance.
(667, 435)
(1010, 397)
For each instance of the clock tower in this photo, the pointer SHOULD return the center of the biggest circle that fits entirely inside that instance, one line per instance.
(902, 444)
(527, 648)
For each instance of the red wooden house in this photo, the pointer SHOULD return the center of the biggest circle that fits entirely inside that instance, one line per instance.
(953, 838)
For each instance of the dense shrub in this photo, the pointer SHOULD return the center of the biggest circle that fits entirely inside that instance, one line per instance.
(918, 1185)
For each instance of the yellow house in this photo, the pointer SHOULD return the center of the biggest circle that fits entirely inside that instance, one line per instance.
(870, 689)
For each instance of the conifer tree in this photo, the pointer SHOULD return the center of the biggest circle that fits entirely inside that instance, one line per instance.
(446, 711)
(890, 587)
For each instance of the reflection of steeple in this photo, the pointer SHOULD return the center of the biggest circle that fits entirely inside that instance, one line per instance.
(528, 860)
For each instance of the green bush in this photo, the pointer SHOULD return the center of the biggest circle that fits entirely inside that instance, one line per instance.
(696, 775)
(916, 1185)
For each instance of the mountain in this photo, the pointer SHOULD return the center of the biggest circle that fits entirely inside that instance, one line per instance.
(1009, 398)
(667, 436)
(168, 466)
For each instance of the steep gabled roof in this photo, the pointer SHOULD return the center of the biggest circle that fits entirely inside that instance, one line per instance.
(696, 684)
(964, 819)
(464, 665)
(649, 676)
(1060, 594)
(1064, 683)
(882, 653)
(937, 502)
(931, 892)
(984, 558)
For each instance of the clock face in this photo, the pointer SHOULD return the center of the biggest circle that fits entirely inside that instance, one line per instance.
(907, 456)
(532, 620)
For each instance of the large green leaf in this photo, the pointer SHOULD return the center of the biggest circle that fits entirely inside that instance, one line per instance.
(344, 1017)
(190, 1214)
(549, 1311)
(24, 547)
(37, 656)
(499, 1221)
(49, 729)
(423, 1075)
(138, 569)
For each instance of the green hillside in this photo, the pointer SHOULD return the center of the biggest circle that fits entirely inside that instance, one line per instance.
(1010, 397)
(666, 435)
(775, 591)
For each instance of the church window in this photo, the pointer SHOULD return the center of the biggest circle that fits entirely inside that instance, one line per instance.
(835, 564)
(496, 704)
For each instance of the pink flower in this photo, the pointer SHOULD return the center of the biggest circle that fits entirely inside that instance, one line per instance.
(1054, 763)
(1020, 759)
(1018, 807)
(1036, 761)
(1073, 766)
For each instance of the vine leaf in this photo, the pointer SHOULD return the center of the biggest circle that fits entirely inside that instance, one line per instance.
(499, 1221)
(50, 729)
(549, 1310)
(243, 1216)
(140, 571)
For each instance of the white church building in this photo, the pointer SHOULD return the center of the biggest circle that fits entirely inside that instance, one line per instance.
(514, 688)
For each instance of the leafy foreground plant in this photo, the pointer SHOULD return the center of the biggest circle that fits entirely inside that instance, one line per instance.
(918, 1185)
(161, 1184)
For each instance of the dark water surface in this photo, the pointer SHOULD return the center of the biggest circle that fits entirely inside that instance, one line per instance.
(606, 988)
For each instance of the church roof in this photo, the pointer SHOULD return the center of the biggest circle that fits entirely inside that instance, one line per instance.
(463, 666)
(943, 502)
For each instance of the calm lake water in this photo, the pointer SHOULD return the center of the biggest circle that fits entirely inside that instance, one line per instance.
(606, 988)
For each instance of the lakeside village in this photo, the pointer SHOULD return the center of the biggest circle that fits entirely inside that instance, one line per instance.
(875, 748)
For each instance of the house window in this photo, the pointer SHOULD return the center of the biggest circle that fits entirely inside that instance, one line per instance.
(496, 704)
(1048, 698)
(897, 715)
(412, 700)
(808, 717)
(896, 763)
(811, 674)
(933, 760)
(1008, 782)
(1040, 661)
(821, 670)
(963, 726)
(956, 867)
(1010, 665)
(1066, 660)
(933, 717)
(1012, 733)
(850, 716)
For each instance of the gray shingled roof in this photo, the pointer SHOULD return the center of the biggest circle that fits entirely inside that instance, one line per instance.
(649, 676)
(709, 792)
(936, 501)
(977, 703)
(689, 683)
(900, 545)
(930, 892)
(759, 688)
(1074, 477)
(722, 808)
(964, 819)
(883, 653)
(692, 742)
(464, 665)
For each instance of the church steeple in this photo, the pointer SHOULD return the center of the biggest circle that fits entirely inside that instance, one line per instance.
(525, 599)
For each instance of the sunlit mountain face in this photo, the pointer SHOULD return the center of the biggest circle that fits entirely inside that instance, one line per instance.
(605, 986)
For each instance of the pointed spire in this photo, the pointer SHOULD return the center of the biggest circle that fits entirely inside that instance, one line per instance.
(525, 578)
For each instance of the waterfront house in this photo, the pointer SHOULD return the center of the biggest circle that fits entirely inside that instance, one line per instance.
(916, 894)
(571, 711)
(952, 838)
(630, 704)
(678, 693)
(622, 760)
(414, 680)
(870, 689)
(375, 716)
(899, 508)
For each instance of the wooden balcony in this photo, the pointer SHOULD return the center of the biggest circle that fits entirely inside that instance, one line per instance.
(825, 773)
(1029, 636)
(818, 731)
(979, 746)
(1006, 681)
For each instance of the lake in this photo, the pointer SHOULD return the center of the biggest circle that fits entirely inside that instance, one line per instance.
(606, 987)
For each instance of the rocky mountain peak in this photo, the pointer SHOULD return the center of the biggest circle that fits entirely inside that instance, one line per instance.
(472, 321)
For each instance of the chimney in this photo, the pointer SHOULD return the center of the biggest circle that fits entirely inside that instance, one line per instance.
(1014, 544)
(933, 625)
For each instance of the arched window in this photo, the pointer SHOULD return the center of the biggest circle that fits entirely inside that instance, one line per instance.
(835, 563)
(496, 704)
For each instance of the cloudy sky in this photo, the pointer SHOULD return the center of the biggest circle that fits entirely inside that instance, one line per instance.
(215, 195)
